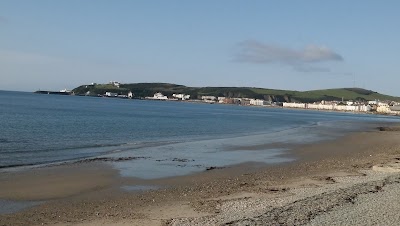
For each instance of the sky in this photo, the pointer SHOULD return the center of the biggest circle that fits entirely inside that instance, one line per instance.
(281, 44)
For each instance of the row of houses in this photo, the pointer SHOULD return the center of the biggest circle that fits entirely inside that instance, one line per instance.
(111, 94)
(238, 101)
(388, 109)
(376, 106)
(212, 99)
(329, 107)
(160, 96)
(156, 96)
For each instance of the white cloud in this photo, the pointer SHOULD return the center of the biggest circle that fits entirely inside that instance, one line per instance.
(299, 60)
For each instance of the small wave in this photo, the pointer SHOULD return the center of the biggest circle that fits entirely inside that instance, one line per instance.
(90, 146)
(111, 149)
(109, 159)
(17, 165)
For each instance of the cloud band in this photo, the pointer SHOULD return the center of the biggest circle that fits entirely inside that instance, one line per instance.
(259, 53)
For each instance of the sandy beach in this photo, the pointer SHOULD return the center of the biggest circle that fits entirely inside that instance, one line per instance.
(339, 182)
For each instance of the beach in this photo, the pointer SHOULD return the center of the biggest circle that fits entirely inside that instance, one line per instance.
(328, 179)
(199, 113)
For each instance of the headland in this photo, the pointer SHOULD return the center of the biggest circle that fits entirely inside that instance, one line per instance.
(341, 99)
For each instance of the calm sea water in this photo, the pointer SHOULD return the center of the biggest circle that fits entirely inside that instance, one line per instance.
(172, 138)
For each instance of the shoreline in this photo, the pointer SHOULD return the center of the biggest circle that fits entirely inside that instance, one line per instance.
(96, 197)
(198, 101)
(282, 146)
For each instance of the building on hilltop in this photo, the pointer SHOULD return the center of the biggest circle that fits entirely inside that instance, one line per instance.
(114, 83)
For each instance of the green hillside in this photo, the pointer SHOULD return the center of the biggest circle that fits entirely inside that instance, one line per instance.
(148, 89)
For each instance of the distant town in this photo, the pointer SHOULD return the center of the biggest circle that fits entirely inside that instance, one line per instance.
(371, 106)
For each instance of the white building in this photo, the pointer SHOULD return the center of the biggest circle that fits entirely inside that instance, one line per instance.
(221, 99)
(158, 96)
(110, 94)
(257, 102)
(386, 109)
(181, 96)
(65, 91)
(208, 98)
(294, 105)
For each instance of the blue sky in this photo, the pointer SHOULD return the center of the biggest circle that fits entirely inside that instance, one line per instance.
(299, 45)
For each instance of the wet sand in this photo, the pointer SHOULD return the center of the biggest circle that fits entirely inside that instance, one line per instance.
(91, 194)
(55, 182)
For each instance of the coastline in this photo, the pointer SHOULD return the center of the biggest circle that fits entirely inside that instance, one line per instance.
(198, 101)
(210, 197)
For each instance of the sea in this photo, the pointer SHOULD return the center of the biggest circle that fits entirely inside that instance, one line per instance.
(155, 139)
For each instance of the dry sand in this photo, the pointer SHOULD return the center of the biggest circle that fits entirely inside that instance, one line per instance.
(328, 178)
